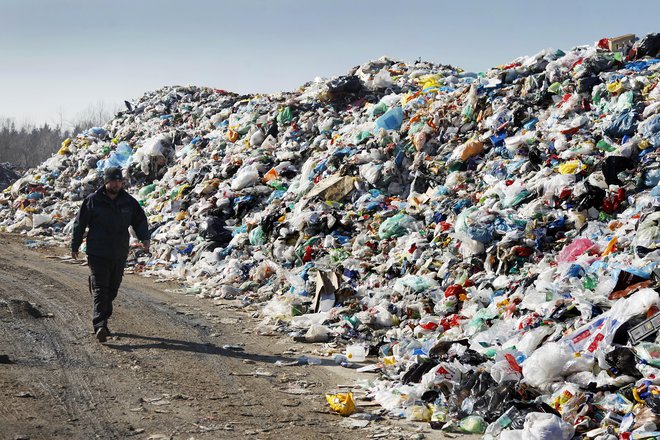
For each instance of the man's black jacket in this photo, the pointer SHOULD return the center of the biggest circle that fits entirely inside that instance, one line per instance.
(108, 221)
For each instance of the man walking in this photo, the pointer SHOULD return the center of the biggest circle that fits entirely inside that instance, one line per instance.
(108, 213)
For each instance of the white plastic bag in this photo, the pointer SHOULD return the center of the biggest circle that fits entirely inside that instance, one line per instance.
(317, 333)
(502, 371)
(546, 364)
(245, 177)
(541, 426)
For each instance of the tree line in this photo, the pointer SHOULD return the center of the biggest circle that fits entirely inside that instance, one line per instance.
(28, 145)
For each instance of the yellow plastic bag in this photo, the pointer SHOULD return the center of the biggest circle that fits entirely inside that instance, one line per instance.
(341, 403)
(419, 413)
(571, 167)
(428, 81)
(232, 135)
(470, 148)
(65, 147)
(615, 87)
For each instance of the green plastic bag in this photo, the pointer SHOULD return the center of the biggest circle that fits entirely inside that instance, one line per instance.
(147, 189)
(474, 424)
(417, 283)
(285, 116)
(378, 109)
(257, 237)
(362, 136)
(394, 226)
(510, 202)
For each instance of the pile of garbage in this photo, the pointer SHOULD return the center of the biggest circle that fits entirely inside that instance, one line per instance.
(491, 238)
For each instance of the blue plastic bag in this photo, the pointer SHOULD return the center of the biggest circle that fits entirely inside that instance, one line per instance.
(624, 124)
(118, 158)
(651, 131)
(391, 120)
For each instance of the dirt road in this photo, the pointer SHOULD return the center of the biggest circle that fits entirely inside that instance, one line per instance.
(178, 367)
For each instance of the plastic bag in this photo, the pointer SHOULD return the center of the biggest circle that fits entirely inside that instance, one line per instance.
(395, 226)
(419, 413)
(651, 130)
(467, 150)
(512, 434)
(257, 236)
(372, 173)
(41, 220)
(491, 403)
(285, 116)
(571, 252)
(382, 80)
(545, 365)
(341, 403)
(600, 331)
(623, 359)
(213, 229)
(473, 425)
(648, 233)
(624, 124)
(415, 282)
(391, 120)
(154, 147)
(571, 167)
(119, 158)
(317, 333)
(541, 426)
(503, 371)
(245, 177)
(649, 352)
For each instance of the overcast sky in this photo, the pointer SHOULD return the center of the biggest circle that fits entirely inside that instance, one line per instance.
(58, 57)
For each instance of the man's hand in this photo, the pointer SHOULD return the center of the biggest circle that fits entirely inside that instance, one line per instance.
(146, 245)
(74, 255)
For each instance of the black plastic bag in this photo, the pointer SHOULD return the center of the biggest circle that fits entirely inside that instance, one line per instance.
(623, 360)
(471, 357)
(213, 229)
(613, 165)
(654, 403)
(495, 400)
(416, 371)
(599, 63)
(472, 385)
(593, 198)
(649, 46)
(343, 87)
(586, 84)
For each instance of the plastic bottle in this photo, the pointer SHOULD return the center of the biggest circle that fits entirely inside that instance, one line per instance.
(304, 360)
(504, 421)
(342, 360)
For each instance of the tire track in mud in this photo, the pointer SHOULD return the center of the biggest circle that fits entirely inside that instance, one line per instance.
(62, 369)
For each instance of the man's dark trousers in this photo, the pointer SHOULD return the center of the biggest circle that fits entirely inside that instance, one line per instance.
(103, 285)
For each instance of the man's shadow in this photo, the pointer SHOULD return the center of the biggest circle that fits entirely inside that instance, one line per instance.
(197, 347)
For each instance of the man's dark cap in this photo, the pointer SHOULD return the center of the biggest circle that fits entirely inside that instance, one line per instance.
(112, 173)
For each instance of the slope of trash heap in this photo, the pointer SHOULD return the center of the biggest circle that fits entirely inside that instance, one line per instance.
(489, 238)
(8, 175)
